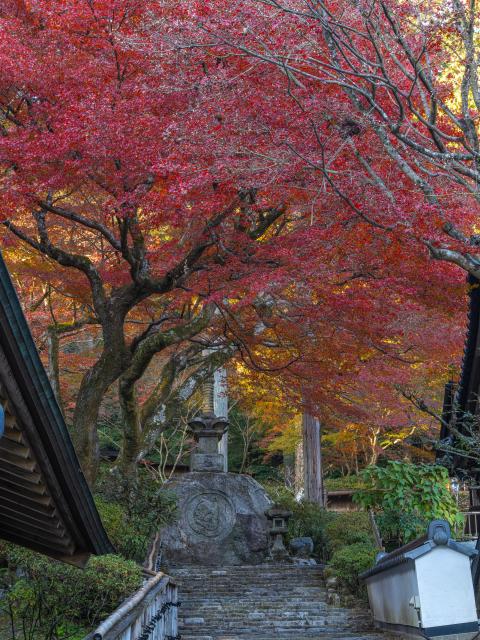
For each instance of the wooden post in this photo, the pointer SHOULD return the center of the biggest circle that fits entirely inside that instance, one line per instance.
(299, 470)
(312, 460)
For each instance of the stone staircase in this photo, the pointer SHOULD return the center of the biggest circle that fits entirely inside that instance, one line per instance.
(264, 602)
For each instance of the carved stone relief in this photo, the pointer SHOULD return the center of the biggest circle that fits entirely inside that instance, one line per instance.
(210, 514)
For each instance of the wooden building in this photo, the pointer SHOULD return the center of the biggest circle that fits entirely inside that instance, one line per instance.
(461, 416)
(45, 502)
(341, 500)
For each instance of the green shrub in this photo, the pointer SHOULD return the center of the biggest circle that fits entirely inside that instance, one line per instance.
(54, 600)
(344, 482)
(132, 516)
(128, 534)
(281, 495)
(348, 528)
(399, 527)
(49, 600)
(329, 530)
(406, 497)
(348, 562)
(106, 582)
(308, 519)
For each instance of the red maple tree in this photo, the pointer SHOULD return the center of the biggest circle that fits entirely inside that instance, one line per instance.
(204, 170)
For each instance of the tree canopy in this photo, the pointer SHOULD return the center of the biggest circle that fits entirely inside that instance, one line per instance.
(292, 186)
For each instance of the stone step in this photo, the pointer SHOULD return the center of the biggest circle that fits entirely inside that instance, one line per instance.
(301, 633)
(257, 596)
(260, 625)
(204, 585)
(263, 602)
(281, 612)
(298, 636)
(272, 614)
(272, 620)
(206, 590)
(288, 631)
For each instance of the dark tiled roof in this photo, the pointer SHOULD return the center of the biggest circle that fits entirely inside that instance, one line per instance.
(438, 534)
(45, 502)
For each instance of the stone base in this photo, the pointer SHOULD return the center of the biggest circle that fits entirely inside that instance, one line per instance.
(206, 462)
(221, 521)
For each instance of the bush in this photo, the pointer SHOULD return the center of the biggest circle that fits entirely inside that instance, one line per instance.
(399, 527)
(106, 582)
(346, 538)
(407, 496)
(54, 600)
(348, 528)
(280, 494)
(308, 519)
(48, 600)
(348, 562)
(132, 517)
(344, 482)
(351, 547)
(129, 535)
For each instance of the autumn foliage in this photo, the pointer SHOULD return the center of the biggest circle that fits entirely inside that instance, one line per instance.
(268, 181)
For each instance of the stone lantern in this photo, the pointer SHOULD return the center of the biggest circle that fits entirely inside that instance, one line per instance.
(278, 519)
(207, 430)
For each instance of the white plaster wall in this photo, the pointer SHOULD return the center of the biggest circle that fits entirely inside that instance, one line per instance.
(445, 588)
(390, 592)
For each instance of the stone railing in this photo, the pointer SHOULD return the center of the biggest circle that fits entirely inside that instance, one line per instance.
(149, 614)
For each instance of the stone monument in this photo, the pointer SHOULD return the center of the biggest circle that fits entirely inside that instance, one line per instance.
(207, 430)
(221, 516)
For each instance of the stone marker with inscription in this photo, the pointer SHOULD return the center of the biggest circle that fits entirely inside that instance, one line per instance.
(221, 516)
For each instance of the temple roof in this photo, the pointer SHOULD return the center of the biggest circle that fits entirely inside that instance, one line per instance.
(438, 536)
(461, 402)
(469, 384)
(45, 501)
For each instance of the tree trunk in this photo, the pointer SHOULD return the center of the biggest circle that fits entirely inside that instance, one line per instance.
(114, 360)
(85, 417)
(132, 445)
(373, 447)
(92, 390)
(312, 455)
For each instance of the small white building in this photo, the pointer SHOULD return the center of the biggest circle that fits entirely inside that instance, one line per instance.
(425, 589)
